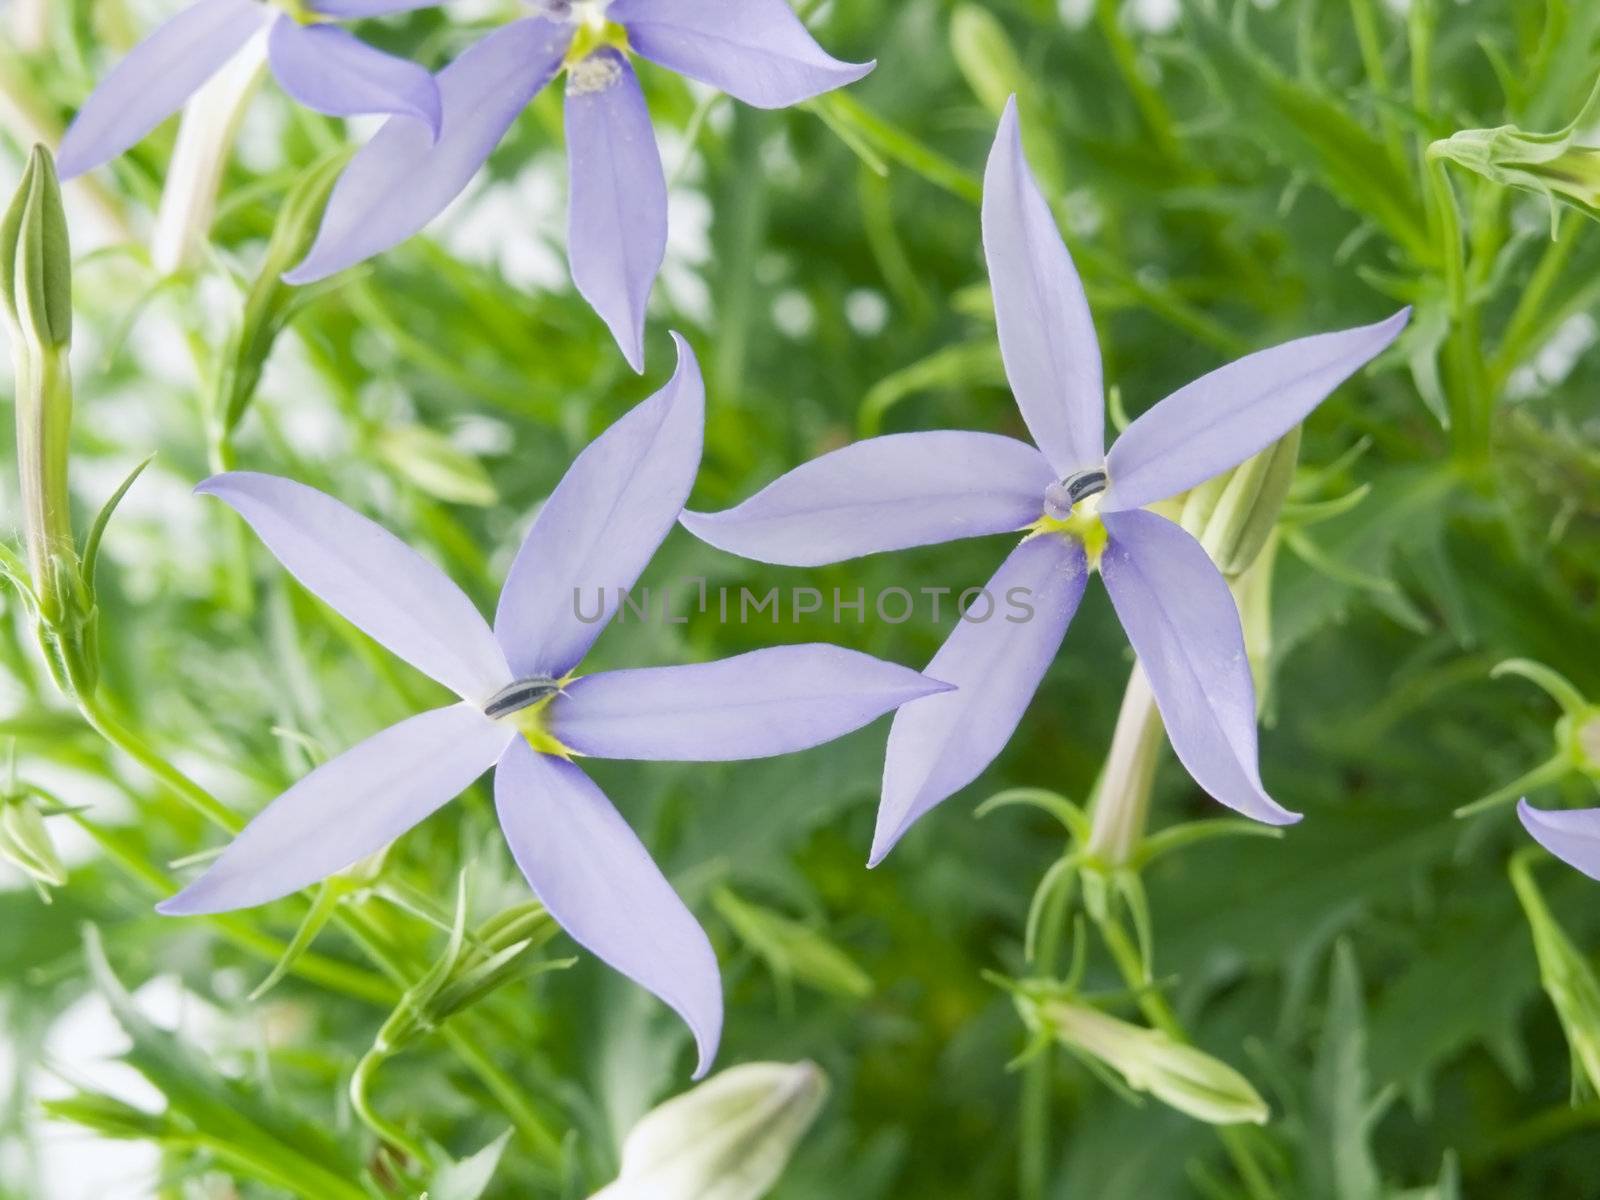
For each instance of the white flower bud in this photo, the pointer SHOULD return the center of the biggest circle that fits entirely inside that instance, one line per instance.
(728, 1139)
(1190, 1080)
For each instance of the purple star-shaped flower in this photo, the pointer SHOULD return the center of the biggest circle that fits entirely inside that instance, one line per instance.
(1084, 508)
(525, 712)
(319, 64)
(755, 50)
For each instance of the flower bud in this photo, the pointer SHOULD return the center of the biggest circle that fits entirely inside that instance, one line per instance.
(36, 288)
(1189, 1080)
(35, 259)
(429, 461)
(728, 1139)
(26, 844)
(1234, 514)
(1565, 973)
(270, 303)
(791, 949)
(1554, 165)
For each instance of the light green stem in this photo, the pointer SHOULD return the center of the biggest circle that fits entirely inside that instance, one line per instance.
(1159, 1013)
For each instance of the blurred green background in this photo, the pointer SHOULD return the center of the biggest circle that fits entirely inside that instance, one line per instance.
(1229, 176)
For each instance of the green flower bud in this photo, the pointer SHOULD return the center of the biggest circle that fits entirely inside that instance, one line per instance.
(1566, 975)
(1554, 165)
(1234, 514)
(36, 287)
(1189, 1080)
(728, 1139)
(35, 258)
(793, 950)
(26, 844)
(271, 304)
(430, 462)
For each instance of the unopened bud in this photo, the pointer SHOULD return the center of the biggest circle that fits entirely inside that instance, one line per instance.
(1565, 974)
(1234, 514)
(432, 463)
(26, 844)
(791, 949)
(35, 258)
(1557, 166)
(36, 288)
(1189, 1080)
(271, 303)
(728, 1139)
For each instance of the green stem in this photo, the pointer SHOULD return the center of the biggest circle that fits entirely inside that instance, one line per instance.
(1367, 37)
(1033, 1167)
(387, 1132)
(1471, 401)
(1552, 770)
(353, 921)
(1521, 332)
(97, 714)
(1153, 111)
(1159, 1013)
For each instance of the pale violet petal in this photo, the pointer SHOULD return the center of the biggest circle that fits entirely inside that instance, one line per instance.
(348, 808)
(1572, 835)
(598, 881)
(330, 71)
(755, 50)
(372, 578)
(886, 493)
(1184, 626)
(617, 208)
(939, 745)
(755, 705)
(404, 177)
(600, 527)
(155, 79)
(1047, 336)
(1221, 419)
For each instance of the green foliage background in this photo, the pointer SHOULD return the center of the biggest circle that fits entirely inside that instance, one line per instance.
(1249, 174)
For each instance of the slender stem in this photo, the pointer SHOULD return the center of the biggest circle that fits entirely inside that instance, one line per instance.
(388, 1133)
(354, 921)
(1550, 771)
(1033, 1166)
(1371, 43)
(1520, 332)
(1471, 401)
(1159, 1013)
(97, 714)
